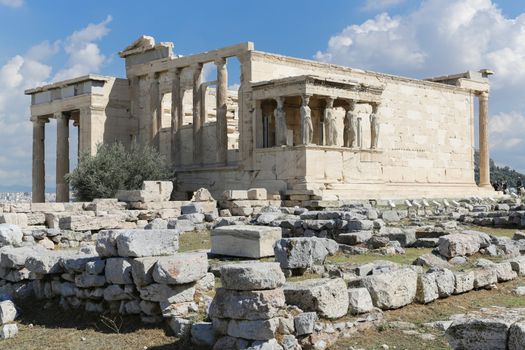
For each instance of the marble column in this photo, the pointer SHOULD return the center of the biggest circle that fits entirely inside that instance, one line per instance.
(62, 162)
(155, 109)
(38, 189)
(197, 145)
(484, 163)
(176, 116)
(222, 109)
(374, 126)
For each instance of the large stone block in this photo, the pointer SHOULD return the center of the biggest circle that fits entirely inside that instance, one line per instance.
(166, 293)
(463, 281)
(106, 243)
(518, 265)
(141, 243)
(458, 245)
(248, 305)
(202, 334)
(10, 235)
(303, 252)
(359, 301)
(253, 329)
(517, 336)
(152, 191)
(252, 276)
(19, 219)
(393, 289)
(8, 311)
(47, 262)
(180, 268)
(118, 271)
(245, 240)
(88, 222)
(77, 263)
(257, 194)
(353, 238)
(485, 277)
(85, 280)
(426, 288)
(235, 195)
(15, 258)
(142, 270)
(487, 329)
(304, 323)
(328, 297)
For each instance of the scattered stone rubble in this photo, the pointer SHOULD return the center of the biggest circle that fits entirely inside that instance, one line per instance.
(125, 260)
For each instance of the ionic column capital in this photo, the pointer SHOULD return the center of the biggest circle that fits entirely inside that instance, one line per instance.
(484, 95)
(220, 62)
(39, 120)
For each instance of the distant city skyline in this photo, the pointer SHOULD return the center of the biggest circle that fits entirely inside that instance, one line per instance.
(411, 38)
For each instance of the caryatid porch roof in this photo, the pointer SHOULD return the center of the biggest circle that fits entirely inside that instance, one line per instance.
(317, 86)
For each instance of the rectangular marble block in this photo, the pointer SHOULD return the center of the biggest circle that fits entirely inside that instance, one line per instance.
(244, 241)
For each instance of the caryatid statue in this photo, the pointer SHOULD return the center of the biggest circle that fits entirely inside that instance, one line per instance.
(329, 119)
(307, 128)
(374, 126)
(280, 122)
(350, 128)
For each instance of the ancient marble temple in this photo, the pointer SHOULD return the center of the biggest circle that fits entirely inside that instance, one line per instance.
(302, 129)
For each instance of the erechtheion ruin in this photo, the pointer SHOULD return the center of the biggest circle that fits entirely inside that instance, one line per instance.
(299, 128)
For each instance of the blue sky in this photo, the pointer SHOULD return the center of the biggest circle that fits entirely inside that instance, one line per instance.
(44, 41)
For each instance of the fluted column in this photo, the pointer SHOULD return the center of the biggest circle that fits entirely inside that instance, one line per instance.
(155, 109)
(222, 109)
(38, 189)
(484, 163)
(176, 117)
(62, 162)
(197, 81)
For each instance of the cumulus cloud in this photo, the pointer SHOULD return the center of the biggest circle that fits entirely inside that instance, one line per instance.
(12, 3)
(31, 69)
(84, 54)
(507, 131)
(444, 37)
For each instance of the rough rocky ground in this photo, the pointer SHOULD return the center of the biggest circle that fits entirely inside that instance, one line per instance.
(402, 336)
(53, 329)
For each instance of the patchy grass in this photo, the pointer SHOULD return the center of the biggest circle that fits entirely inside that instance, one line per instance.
(496, 231)
(306, 276)
(438, 310)
(189, 241)
(407, 258)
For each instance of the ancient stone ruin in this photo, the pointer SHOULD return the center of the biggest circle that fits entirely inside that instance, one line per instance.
(350, 134)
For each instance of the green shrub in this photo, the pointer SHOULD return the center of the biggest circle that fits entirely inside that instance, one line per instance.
(116, 168)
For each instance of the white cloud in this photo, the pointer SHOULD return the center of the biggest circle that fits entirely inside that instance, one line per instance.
(12, 3)
(84, 55)
(507, 131)
(373, 5)
(444, 37)
(31, 69)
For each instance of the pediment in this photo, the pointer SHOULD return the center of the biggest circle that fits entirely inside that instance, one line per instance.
(142, 44)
